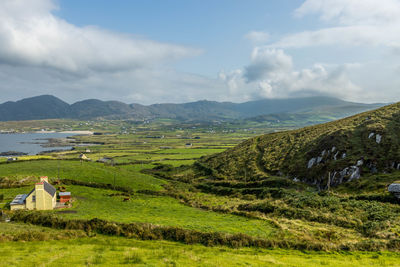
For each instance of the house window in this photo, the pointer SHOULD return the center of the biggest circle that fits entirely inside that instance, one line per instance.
(34, 198)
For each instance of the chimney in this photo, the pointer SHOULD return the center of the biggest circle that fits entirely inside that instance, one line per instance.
(44, 179)
(39, 186)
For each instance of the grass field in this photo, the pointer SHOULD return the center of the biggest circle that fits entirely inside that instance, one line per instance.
(128, 176)
(96, 203)
(113, 251)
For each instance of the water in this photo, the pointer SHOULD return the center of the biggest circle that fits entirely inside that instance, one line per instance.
(21, 142)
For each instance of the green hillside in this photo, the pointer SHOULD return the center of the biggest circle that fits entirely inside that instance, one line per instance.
(324, 155)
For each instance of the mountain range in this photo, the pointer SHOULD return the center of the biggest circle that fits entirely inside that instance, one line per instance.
(51, 107)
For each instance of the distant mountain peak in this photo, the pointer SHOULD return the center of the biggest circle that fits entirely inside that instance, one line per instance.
(48, 106)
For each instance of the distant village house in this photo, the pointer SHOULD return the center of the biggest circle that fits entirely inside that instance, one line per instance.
(83, 157)
(42, 197)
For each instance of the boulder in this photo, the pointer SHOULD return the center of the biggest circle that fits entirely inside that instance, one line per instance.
(355, 173)
(311, 162)
(335, 156)
(378, 138)
(394, 188)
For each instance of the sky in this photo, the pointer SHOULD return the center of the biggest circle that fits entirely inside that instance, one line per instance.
(156, 51)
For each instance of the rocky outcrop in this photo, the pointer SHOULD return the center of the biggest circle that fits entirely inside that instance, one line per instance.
(311, 163)
(378, 138)
(12, 153)
(351, 172)
(394, 188)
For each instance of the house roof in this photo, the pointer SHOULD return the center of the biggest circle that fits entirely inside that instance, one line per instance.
(64, 194)
(49, 188)
(19, 199)
(30, 192)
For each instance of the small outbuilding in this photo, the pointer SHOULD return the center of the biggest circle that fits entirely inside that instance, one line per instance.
(19, 202)
(64, 197)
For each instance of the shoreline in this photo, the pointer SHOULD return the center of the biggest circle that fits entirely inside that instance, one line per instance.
(50, 144)
(67, 132)
(50, 132)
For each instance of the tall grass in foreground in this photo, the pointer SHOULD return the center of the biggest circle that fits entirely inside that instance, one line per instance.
(117, 251)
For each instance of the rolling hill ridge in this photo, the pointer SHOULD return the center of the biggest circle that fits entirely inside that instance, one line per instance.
(311, 108)
(324, 155)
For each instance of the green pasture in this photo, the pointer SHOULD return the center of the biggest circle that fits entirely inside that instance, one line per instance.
(116, 251)
(99, 203)
(82, 171)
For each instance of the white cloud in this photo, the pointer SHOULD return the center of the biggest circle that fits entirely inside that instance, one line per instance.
(257, 37)
(348, 36)
(352, 12)
(266, 63)
(30, 35)
(271, 75)
(43, 54)
(351, 23)
(144, 86)
(233, 80)
(343, 28)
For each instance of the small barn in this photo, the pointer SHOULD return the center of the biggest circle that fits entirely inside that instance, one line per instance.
(65, 197)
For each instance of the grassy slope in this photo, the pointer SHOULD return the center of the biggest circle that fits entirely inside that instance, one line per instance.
(96, 203)
(289, 152)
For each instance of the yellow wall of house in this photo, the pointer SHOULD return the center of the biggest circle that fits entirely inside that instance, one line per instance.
(30, 204)
(40, 197)
(17, 207)
(54, 201)
(44, 201)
